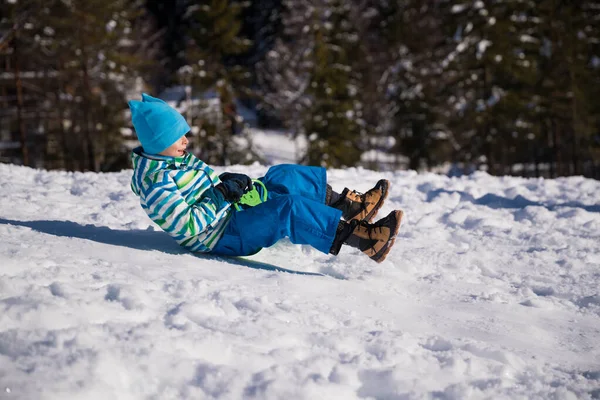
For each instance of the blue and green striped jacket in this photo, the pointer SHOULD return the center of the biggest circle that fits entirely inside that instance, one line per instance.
(177, 194)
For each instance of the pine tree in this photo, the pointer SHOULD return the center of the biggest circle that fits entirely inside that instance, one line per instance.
(590, 145)
(519, 79)
(169, 30)
(261, 21)
(214, 39)
(17, 22)
(83, 52)
(491, 63)
(332, 121)
(407, 43)
(313, 83)
(567, 95)
(94, 39)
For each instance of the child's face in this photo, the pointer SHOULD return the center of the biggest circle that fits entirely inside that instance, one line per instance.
(177, 149)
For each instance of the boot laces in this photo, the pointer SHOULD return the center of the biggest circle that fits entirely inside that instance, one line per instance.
(369, 228)
(358, 194)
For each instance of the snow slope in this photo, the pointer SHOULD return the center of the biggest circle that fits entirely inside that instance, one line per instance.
(492, 291)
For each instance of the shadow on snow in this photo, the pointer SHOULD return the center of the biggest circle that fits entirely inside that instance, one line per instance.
(495, 201)
(137, 239)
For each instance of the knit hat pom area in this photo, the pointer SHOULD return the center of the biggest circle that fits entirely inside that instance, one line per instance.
(157, 124)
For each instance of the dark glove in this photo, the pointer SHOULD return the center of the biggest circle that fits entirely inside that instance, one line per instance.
(242, 180)
(216, 196)
(233, 186)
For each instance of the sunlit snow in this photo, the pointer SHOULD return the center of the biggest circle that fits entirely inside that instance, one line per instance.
(492, 291)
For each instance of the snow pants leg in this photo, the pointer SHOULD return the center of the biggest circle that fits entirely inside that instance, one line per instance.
(295, 209)
(301, 180)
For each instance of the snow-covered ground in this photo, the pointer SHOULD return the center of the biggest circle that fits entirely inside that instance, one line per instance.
(492, 291)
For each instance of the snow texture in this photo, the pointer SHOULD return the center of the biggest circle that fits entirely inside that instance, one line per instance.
(492, 292)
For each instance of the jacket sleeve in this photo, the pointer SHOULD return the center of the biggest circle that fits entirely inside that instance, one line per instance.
(165, 205)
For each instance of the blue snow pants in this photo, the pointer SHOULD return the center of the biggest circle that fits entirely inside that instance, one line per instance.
(295, 208)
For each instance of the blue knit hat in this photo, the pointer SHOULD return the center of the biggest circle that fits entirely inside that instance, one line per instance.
(157, 124)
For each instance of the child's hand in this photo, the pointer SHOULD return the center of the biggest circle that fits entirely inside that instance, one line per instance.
(243, 181)
(233, 186)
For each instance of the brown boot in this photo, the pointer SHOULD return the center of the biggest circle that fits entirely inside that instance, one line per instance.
(375, 240)
(362, 206)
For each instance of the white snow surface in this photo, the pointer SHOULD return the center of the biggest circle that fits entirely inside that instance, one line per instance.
(491, 292)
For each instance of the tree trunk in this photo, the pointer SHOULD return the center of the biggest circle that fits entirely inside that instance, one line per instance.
(575, 167)
(574, 110)
(90, 150)
(536, 157)
(556, 148)
(551, 145)
(66, 156)
(19, 87)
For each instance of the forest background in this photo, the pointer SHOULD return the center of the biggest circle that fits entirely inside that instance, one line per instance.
(510, 87)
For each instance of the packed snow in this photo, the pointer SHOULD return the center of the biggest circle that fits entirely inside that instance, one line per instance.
(492, 291)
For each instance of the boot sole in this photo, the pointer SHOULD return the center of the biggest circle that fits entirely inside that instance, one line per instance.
(385, 189)
(382, 254)
(386, 251)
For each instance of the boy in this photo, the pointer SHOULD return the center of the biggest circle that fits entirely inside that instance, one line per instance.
(201, 209)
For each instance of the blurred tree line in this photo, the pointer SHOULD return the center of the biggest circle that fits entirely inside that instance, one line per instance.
(510, 87)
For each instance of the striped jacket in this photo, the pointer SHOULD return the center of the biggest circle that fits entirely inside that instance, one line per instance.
(176, 193)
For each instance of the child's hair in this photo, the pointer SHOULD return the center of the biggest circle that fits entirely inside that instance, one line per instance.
(157, 124)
